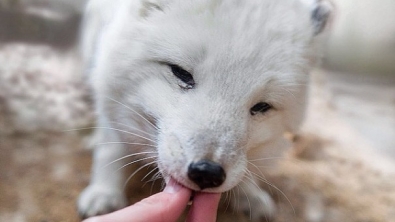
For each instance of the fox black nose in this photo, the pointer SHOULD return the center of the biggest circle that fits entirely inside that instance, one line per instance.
(206, 174)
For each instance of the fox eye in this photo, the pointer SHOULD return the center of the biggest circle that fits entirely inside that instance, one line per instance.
(186, 78)
(261, 107)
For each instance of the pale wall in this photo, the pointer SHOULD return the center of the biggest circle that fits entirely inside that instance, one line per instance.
(363, 36)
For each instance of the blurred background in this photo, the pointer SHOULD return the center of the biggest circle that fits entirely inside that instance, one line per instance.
(362, 39)
(42, 93)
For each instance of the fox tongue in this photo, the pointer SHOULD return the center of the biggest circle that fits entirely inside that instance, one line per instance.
(204, 206)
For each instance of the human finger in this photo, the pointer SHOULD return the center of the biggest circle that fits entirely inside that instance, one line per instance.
(165, 206)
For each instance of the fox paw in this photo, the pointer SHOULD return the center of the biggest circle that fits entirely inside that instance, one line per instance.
(257, 206)
(95, 200)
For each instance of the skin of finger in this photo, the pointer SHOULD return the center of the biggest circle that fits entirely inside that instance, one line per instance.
(161, 207)
(204, 207)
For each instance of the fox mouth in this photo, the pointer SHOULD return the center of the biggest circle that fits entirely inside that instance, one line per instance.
(181, 181)
(196, 181)
(193, 188)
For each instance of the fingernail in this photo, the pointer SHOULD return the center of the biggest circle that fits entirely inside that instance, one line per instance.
(172, 187)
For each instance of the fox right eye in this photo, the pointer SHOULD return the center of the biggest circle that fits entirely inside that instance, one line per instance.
(184, 76)
(261, 107)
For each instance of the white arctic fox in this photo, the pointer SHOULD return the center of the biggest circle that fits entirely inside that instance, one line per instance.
(201, 87)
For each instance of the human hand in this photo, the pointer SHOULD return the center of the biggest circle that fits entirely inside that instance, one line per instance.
(167, 206)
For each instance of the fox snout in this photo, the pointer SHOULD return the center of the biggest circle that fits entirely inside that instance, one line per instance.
(206, 174)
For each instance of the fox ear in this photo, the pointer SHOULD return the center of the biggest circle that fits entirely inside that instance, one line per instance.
(320, 15)
(150, 6)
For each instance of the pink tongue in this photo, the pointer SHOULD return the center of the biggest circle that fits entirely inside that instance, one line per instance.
(204, 207)
(203, 203)
(206, 200)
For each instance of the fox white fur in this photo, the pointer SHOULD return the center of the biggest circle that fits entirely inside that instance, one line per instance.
(239, 52)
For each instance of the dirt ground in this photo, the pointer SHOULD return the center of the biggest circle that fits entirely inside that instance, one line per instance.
(341, 167)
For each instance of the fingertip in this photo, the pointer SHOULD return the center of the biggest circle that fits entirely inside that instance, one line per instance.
(173, 187)
(91, 219)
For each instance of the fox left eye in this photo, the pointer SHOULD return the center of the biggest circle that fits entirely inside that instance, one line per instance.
(261, 107)
(184, 76)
